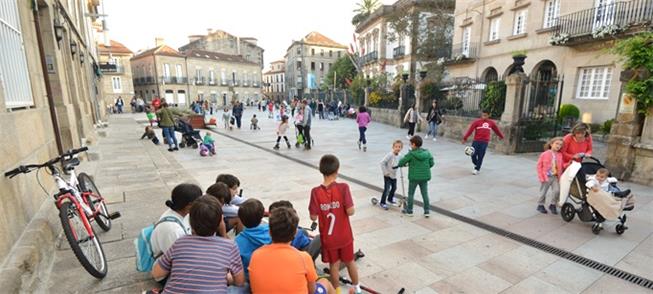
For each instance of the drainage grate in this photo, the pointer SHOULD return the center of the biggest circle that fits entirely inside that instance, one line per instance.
(593, 264)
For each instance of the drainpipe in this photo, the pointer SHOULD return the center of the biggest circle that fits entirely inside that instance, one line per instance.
(46, 79)
(480, 39)
(156, 77)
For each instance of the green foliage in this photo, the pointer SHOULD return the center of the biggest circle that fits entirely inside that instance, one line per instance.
(363, 10)
(569, 110)
(538, 129)
(519, 53)
(357, 88)
(345, 70)
(637, 55)
(607, 126)
(452, 103)
(495, 99)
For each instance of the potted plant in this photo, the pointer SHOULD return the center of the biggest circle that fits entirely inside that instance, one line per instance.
(518, 60)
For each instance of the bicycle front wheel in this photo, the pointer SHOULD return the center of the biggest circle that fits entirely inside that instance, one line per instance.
(86, 184)
(85, 244)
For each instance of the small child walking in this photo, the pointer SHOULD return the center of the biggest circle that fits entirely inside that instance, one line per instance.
(363, 119)
(254, 123)
(549, 168)
(281, 132)
(332, 204)
(419, 161)
(481, 128)
(226, 117)
(151, 117)
(389, 174)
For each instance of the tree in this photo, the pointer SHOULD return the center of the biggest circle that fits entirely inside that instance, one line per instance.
(363, 10)
(345, 71)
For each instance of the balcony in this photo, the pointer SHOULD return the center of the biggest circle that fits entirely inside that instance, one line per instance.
(143, 81)
(602, 22)
(463, 53)
(370, 57)
(179, 80)
(109, 68)
(198, 80)
(245, 83)
(255, 84)
(212, 82)
(398, 52)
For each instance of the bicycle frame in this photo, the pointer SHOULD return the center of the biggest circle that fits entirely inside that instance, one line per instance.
(69, 191)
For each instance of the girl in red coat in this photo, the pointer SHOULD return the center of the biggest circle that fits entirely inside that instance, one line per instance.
(549, 168)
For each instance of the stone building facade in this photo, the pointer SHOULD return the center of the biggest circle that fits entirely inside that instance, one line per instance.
(182, 77)
(565, 41)
(116, 75)
(308, 61)
(274, 86)
(48, 104)
(226, 43)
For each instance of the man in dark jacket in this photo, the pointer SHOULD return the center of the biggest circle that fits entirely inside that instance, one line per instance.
(238, 113)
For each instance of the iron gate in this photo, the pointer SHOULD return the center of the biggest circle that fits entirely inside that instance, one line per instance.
(539, 107)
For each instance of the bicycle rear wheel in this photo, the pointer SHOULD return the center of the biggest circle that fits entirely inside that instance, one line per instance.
(85, 245)
(86, 184)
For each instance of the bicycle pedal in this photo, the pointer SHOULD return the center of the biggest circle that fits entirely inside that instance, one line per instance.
(114, 215)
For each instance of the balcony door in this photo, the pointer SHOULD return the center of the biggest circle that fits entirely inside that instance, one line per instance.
(467, 34)
(604, 13)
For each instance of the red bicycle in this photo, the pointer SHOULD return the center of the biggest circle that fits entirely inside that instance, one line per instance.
(79, 203)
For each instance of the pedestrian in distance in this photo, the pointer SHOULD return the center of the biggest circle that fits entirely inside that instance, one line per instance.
(320, 109)
(482, 129)
(282, 129)
(390, 174)
(238, 113)
(434, 119)
(308, 118)
(549, 169)
(226, 119)
(332, 205)
(363, 119)
(412, 117)
(119, 104)
(419, 161)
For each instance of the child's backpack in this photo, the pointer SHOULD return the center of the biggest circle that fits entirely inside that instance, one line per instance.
(144, 256)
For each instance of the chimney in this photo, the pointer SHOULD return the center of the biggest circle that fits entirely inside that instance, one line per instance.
(237, 45)
(158, 41)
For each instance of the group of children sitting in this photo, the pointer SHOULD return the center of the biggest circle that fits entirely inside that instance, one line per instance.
(194, 251)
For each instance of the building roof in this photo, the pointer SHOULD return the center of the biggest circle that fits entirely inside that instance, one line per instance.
(114, 48)
(315, 38)
(274, 71)
(159, 50)
(221, 32)
(278, 61)
(216, 56)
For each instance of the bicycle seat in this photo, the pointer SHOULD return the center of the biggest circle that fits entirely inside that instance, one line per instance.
(71, 164)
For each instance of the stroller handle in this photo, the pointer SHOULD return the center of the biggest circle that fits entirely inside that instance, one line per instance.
(591, 158)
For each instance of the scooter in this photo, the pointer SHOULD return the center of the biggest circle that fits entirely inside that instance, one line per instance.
(401, 202)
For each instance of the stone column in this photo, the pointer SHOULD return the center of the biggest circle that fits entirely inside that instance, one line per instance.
(515, 86)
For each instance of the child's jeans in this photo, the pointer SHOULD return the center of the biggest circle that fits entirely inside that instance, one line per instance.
(555, 189)
(389, 188)
(424, 189)
(361, 135)
(433, 129)
(479, 153)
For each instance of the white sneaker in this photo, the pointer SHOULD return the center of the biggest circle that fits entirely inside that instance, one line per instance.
(434, 139)
(475, 172)
(408, 137)
(426, 137)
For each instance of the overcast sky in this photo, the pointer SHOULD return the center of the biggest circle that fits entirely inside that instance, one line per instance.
(275, 23)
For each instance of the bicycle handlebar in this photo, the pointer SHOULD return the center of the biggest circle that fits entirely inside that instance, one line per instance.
(23, 169)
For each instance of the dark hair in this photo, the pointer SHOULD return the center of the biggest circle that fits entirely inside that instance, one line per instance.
(255, 115)
(417, 140)
(283, 224)
(182, 195)
(164, 104)
(251, 212)
(362, 109)
(280, 203)
(582, 128)
(329, 164)
(230, 180)
(220, 191)
(205, 216)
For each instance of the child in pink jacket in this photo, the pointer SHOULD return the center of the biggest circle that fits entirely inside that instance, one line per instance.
(549, 168)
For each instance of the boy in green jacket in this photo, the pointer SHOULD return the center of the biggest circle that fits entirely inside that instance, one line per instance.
(419, 163)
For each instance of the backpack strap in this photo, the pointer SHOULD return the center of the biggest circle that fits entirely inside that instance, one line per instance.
(165, 220)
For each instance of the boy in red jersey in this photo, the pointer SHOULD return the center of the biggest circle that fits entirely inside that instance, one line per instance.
(331, 202)
(481, 128)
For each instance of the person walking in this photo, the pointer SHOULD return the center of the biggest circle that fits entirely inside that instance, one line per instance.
(238, 113)
(412, 118)
(308, 118)
(320, 109)
(481, 128)
(434, 118)
(167, 124)
(140, 104)
(362, 119)
(119, 104)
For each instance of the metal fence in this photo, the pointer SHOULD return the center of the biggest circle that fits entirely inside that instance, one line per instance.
(462, 98)
(621, 14)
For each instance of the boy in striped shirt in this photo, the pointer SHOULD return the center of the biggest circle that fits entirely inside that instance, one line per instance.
(202, 262)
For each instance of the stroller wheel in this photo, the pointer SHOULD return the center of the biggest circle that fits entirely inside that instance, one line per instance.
(596, 228)
(567, 212)
(620, 229)
(182, 145)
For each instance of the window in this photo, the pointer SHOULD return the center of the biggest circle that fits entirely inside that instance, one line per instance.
(520, 22)
(299, 50)
(312, 52)
(14, 75)
(594, 82)
(166, 70)
(321, 52)
(551, 13)
(299, 64)
(330, 53)
(321, 66)
(178, 71)
(211, 75)
(312, 65)
(467, 35)
(116, 84)
(198, 72)
(339, 54)
(494, 29)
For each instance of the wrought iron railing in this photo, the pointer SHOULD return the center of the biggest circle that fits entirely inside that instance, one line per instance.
(371, 57)
(199, 80)
(398, 52)
(111, 68)
(467, 50)
(614, 17)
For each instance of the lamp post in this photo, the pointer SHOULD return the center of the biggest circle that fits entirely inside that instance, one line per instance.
(367, 92)
(58, 31)
(402, 94)
(418, 91)
(73, 48)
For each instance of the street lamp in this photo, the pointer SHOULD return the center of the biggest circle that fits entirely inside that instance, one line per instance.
(404, 77)
(73, 48)
(422, 74)
(81, 57)
(58, 30)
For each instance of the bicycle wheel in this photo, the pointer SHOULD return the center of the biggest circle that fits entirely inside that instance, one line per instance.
(85, 245)
(87, 184)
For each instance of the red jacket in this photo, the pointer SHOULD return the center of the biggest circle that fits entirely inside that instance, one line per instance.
(571, 147)
(482, 129)
(545, 163)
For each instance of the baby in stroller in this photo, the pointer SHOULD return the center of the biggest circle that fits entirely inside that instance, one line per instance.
(602, 181)
(189, 136)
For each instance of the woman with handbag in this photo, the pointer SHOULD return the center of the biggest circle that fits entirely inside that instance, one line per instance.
(434, 118)
(412, 118)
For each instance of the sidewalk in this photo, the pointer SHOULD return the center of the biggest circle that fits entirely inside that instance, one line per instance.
(436, 255)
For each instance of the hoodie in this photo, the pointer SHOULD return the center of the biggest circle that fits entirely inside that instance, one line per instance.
(251, 239)
(419, 163)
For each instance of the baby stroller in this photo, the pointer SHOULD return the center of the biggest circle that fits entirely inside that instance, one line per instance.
(189, 136)
(590, 206)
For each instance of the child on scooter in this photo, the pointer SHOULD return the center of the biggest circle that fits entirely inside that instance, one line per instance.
(389, 174)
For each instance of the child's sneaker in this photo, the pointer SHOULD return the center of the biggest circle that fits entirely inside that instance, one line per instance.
(541, 209)
(553, 209)
(288, 143)
(384, 206)
(276, 147)
(359, 145)
(410, 214)
(426, 137)
(426, 215)
(364, 148)
(393, 202)
(475, 172)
